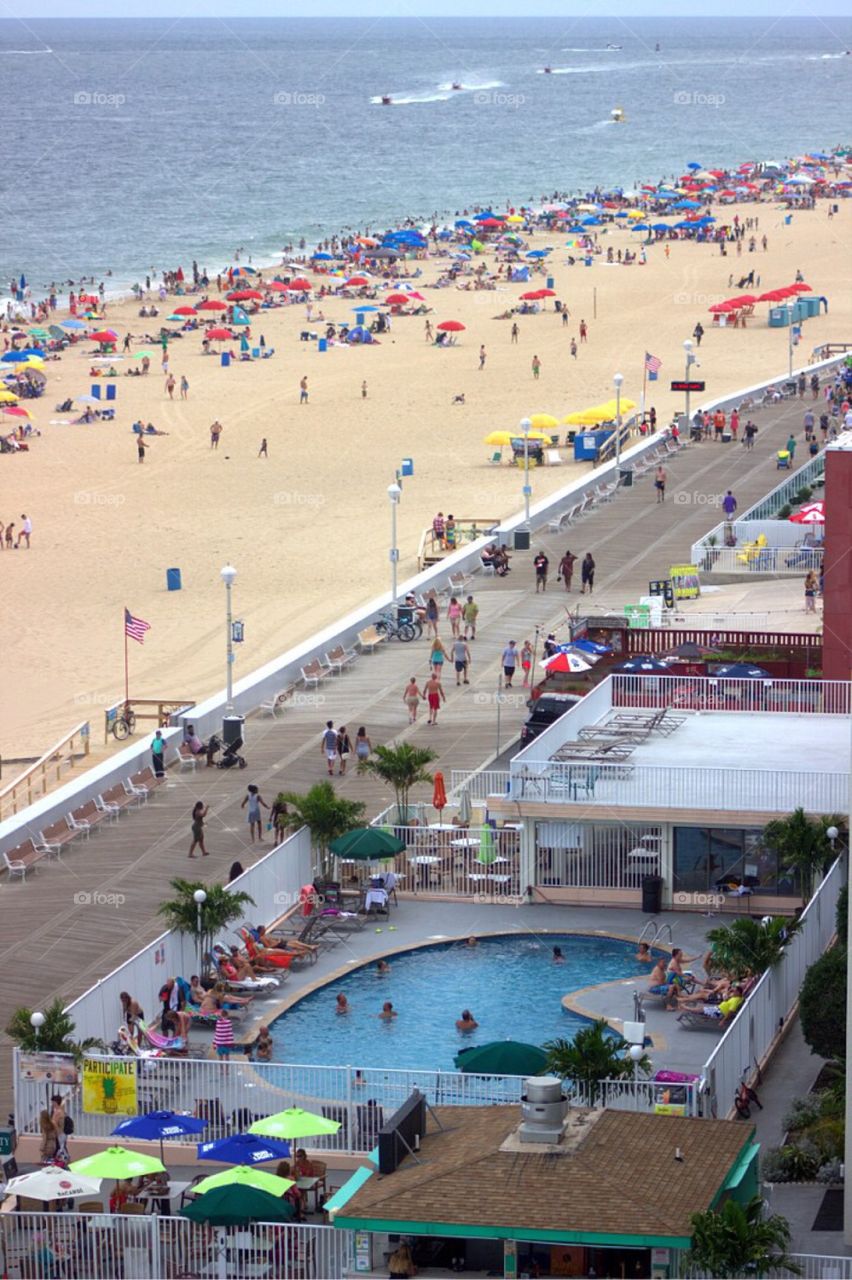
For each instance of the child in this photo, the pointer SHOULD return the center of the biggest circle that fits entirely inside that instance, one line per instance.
(223, 1035)
(254, 800)
(263, 1047)
(526, 661)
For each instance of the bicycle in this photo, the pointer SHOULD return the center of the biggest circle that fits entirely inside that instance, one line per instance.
(402, 630)
(124, 723)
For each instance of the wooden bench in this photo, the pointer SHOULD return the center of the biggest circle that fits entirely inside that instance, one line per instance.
(118, 798)
(338, 658)
(186, 757)
(23, 858)
(370, 639)
(276, 703)
(58, 834)
(86, 816)
(146, 780)
(314, 672)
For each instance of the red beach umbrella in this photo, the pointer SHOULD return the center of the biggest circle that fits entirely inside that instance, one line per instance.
(397, 299)
(103, 335)
(277, 286)
(450, 326)
(357, 282)
(773, 295)
(799, 287)
(219, 335)
(211, 305)
(490, 222)
(547, 293)
(244, 295)
(184, 311)
(810, 513)
(300, 283)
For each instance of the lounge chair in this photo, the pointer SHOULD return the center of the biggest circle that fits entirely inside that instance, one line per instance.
(457, 582)
(131, 1044)
(496, 457)
(553, 457)
(220, 962)
(166, 1044)
(186, 757)
(699, 1020)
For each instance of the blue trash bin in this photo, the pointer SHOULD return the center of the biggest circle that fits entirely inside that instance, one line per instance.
(173, 581)
(549, 283)
(322, 345)
(407, 467)
(226, 359)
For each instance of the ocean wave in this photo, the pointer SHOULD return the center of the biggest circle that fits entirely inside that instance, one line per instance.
(825, 57)
(639, 65)
(45, 50)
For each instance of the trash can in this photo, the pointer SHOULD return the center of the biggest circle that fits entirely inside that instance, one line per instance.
(652, 895)
(226, 359)
(232, 729)
(322, 345)
(173, 581)
(407, 468)
(522, 540)
(549, 282)
(625, 477)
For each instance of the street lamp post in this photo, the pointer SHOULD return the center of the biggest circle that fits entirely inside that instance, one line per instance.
(200, 898)
(394, 493)
(526, 427)
(690, 360)
(618, 379)
(37, 1021)
(228, 574)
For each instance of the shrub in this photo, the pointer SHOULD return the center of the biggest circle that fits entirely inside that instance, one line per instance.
(831, 1171)
(785, 512)
(791, 1163)
(822, 1004)
(802, 1113)
(804, 494)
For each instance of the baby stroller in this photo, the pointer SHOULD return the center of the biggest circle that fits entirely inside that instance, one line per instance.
(231, 756)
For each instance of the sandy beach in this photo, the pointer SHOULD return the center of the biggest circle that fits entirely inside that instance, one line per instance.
(308, 528)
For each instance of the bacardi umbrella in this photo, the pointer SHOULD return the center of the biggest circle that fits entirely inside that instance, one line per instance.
(810, 513)
(53, 1183)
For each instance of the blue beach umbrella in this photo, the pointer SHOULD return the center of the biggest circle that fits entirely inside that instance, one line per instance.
(693, 164)
(538, 253)
(640, 226)
(686, 204)
(660, 226)
(741, 671)
(622, 213)
(72, 324)
(322, 257)
(14, 357)
(360, 309)
(591, 646)
(159, 1125)
(463, 222)
(591, 222)
(244, 1148)
(642, 665)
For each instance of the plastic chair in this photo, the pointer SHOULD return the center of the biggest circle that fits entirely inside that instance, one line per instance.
(496, 457)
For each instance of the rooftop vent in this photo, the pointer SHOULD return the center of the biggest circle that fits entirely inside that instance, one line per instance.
(543, 1107)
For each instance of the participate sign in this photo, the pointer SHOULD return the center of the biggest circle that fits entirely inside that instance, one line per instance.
(685, 581)
(109, 1088)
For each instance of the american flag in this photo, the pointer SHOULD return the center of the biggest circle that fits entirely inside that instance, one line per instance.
(652, 363)
(135, 627)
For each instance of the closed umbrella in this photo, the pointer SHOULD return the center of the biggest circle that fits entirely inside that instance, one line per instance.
(465, 811)
(366, 843)
(158, 1125)
(503, 1058)
(234, 1206)
(243, 1148)
(294, 1123)
(439, 793)
(52, 1183)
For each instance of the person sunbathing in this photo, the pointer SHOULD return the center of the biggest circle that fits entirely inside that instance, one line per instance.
(269, 942)
(238, 966)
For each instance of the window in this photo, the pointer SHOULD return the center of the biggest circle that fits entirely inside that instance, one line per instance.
(705, 859)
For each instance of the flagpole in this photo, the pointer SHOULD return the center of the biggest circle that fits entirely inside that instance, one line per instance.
(644, 381)
(126, 666)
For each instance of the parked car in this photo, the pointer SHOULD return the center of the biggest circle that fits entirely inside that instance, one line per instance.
(546, 708)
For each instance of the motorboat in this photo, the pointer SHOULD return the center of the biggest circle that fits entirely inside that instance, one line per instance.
(614, 48)
(617, 115)
(387, 100)
(455, 85)
(548, 71)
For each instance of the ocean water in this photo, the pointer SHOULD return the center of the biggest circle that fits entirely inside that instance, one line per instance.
(131, 144)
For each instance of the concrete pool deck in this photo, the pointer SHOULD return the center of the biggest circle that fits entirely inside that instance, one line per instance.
(417, 923)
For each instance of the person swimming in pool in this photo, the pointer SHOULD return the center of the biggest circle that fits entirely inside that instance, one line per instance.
(643, 955)
(466, 1022)
(558, 957)
(472, 942)
(342, 1004)
(382, 969)
(388, 1012)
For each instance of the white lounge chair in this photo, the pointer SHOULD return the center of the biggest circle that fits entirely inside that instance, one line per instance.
(553, 458)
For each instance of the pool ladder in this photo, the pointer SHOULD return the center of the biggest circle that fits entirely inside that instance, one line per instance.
(652, 932)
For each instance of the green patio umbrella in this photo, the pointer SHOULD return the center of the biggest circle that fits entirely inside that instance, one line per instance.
(243, 1175)
(367, 843)
(294, 1123)
(234, 1206)
(117, 1162)
(502, 1058)
(487, 852)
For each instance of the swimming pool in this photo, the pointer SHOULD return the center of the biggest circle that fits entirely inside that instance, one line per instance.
(510, 984)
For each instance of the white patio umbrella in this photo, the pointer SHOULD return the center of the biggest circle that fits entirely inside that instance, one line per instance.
(53, 1183)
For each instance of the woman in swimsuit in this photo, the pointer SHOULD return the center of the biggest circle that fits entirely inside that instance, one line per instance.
(411, 697)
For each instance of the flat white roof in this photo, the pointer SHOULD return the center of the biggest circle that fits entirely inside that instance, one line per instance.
(752, 740)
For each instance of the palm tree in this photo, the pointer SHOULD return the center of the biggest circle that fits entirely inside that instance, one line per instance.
(55, 1036)
(401, 768)
(802, 845)
(221, 908)
(747, 947)
(594, 1055)
(739, 1241)
(326, 814)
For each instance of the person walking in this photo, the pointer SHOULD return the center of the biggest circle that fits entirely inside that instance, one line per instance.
(263, 451)
(526, 661)
(729, 505)
(454, 616)
(437, 656)
(215, 432)
(25, 531)
(184, 387)
(470, 613)
(749, 432)
(573, 348)
(536, 367)
(791, 447)
(328, 746)
(510, 662)
(433, 692)
(303, 390)
(170, 386)
(584, 331)
(255, 802)
(199, 813)
(411, 696)
(363, 745)
(660, 483)
(698, 333)
(364, 389)
(811, 588)
(430, 336)
(141, 448)
(344, 747)
(432, 614)
(158, 748)
(515, 332)
(461, 659)
(541, 565)
(566, 568)
(587, 573)
(482, 357)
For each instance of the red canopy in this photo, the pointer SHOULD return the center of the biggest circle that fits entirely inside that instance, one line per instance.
(799, 287)
(396, 299)
(103, 335)
(277, 286)
(490, 222)
(300, 283)
(244, 295)
(357, 282)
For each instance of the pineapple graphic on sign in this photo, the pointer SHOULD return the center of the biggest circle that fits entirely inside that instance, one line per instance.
(109, 1085)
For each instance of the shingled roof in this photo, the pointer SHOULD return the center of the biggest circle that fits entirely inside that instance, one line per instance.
(618, 1177)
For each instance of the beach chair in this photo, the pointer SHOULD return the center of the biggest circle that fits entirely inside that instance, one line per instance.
(457, 582)
(186, 757)
(338, 658)
(370, 639)
(496, 457)
(606, 492)
(553, 457)
(276, 703)
(698, 1020)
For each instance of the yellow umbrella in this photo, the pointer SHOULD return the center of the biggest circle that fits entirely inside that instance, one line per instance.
(597, 413)
(514, 217)
(503, 438)
(635, 213)
(8, 397)
(543, 420)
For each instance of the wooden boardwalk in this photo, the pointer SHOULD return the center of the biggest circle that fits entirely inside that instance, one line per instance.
(75, 920)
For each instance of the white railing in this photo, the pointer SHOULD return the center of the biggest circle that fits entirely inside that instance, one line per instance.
(274, 880)
(479, 862)
(711, 693)
(361, 1099)
(751, 1035)
(481, 785)
(628, 785)
(105, 1246)
(779, 561)
(817, 1266)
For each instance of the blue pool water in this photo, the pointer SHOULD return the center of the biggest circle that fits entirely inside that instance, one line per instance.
(511, 985)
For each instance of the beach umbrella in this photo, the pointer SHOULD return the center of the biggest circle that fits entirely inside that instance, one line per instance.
(811, 513)
(799, 287)
(245, 295)
(300, 283)
(141, 355)
(502, 1058)
(212, 304)
(219, 335)
(52, 1183)
(694, 652)
(16, 412)
(543, 421)
(363, 844)
(357, 282)
(567, 663)
(515, 217)
(396, 299)
(242, 1175)
(158, 1125)
(243, 1148)
(119, 1163)
(185, 311)
(503, 438)
(234, 1206)
(439, 792)
(14, 357)
(642, 664)
(591, 646)
(294, 1123)
(640, 226)
(104, 335)
(322, 257)
(694, 164)
(465, 809)
(450, 326)
(741, 671)
(86, 400)
(538, 253)
(8, 397)
(364, 308)
(277, 286)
